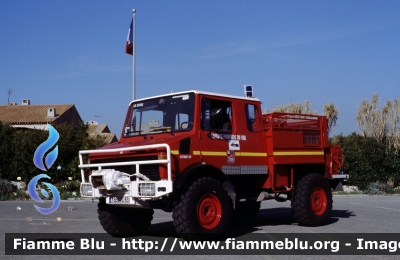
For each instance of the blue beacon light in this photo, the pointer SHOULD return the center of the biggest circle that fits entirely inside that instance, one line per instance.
(248, 90)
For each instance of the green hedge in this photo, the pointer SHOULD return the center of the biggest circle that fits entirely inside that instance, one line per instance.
(17, 147)
(368, 161)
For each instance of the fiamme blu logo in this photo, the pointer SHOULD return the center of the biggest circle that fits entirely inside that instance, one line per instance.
(44, 163)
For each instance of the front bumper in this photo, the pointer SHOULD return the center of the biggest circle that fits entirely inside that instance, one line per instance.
(122, 188)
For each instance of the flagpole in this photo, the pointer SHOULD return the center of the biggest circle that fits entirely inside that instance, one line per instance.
(134, 55)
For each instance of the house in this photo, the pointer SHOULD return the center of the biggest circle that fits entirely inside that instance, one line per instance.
(38, 116)
(95, 129)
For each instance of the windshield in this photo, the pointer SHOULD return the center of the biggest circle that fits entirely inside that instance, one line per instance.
(160, 115)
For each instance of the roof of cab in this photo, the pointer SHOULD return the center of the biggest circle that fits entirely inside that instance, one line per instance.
(197, 92)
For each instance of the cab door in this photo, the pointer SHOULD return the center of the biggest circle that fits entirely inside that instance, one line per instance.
(253, 145)
(218, 146)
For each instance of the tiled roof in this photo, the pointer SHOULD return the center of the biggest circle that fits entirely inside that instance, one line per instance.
(37, 115)
(97, 129)
(108, 137)
(102, 131)
(31, 114)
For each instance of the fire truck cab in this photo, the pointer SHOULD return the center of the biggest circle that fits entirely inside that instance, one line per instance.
(210, 159)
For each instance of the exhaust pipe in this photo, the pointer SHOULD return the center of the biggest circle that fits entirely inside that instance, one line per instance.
(281, 197)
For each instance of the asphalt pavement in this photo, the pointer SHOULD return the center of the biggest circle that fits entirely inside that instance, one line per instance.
(350, 214)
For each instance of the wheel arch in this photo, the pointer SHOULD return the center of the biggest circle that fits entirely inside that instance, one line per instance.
(196, 171)
(301, 170)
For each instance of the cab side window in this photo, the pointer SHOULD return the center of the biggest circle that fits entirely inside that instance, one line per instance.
(216, 115)
(252, 118)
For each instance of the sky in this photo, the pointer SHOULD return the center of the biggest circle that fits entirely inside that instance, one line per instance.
(73, 52)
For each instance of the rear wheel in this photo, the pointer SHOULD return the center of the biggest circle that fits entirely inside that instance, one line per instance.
(118, 221)
(204, 210)
(312, 200)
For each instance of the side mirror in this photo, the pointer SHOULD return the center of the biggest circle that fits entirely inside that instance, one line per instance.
(214, 117)
(215, 111)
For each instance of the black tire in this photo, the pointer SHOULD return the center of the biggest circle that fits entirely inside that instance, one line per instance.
(246, 212)
(312, 200)
(204, 211)
(118, 221)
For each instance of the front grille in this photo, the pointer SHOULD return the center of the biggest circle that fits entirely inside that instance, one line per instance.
(149, 170)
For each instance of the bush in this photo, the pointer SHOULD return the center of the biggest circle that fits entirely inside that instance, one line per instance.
(379, 188)
(10, 192)
(368, 161)
(6, 187)
(376, 188)
(69, 189)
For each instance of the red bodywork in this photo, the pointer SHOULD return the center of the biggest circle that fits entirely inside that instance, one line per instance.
(257, 151)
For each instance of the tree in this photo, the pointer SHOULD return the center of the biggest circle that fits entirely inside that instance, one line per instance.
(330, 111)
(17, 147)
(296, 108)
(382, 123)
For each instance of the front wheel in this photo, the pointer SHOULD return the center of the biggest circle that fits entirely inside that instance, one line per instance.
(312, 200)
(204, 210)
(118, 221)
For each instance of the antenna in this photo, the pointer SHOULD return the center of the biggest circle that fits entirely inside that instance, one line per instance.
(95, 117)
(9, 94)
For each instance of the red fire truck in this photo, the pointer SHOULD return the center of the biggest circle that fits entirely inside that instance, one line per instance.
(210, 159)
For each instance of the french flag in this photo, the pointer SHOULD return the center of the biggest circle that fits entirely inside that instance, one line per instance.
(129, 40)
